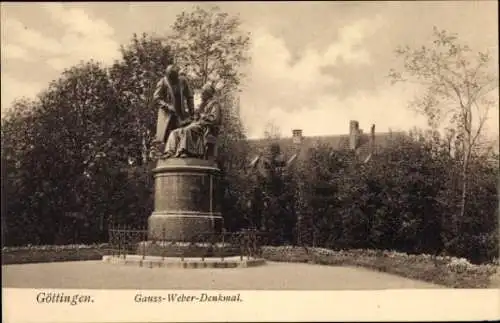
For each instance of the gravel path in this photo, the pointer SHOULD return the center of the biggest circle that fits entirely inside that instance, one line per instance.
(272, 276)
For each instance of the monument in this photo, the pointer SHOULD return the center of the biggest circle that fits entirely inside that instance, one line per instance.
(186, 175)
(183, 230)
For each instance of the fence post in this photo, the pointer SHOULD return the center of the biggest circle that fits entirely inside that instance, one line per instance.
(144, 242)
(116, 239)
(122, 240)
(119, 240)
(247, 242)
(213, 243)
(163, 243)
(241, 246)
(181, 249)
(111, 241)
(126, 242)
(204, 249)
(181, 242)
(223, 246)
(254, 237)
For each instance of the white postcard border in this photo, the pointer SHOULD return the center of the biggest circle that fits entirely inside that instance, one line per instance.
(21, 305)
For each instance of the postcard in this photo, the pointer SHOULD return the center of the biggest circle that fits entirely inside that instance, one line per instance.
(250, 161)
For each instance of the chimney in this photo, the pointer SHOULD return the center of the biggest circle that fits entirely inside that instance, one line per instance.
(372, 138)
(297, 136)
(353, 134)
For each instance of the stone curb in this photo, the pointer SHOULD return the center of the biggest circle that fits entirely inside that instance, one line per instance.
(187, 263)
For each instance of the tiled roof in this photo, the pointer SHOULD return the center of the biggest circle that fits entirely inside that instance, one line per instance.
(337, 142)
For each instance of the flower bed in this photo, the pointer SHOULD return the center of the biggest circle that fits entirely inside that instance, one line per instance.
(447, 271)
(35, 254)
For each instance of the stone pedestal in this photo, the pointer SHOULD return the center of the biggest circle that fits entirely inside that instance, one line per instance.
(186, 202)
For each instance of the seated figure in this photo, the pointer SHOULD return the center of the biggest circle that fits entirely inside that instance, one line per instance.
(194, 139)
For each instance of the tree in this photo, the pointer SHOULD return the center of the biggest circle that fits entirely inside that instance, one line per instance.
(63, 153)
(18, 133)
(134, 77)
(458, 85)
(210, 46)
(272, 131)
(272, 190)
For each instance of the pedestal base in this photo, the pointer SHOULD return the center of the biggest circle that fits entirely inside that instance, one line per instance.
(186, 200)
(167, 249)
(185, 263)
(182, 227)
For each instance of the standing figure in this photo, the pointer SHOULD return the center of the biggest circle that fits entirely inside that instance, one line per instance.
(190, 140)
(175, 103)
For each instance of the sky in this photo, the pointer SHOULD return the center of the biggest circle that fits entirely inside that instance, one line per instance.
(315, 65)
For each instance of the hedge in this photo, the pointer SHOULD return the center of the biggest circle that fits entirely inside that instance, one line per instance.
(37, 254)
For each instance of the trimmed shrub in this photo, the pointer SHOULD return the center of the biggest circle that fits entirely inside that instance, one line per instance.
(37, 254)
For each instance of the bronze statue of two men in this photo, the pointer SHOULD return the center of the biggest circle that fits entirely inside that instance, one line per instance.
(182, 129)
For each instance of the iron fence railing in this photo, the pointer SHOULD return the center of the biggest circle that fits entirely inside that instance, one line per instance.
(133, 241)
